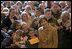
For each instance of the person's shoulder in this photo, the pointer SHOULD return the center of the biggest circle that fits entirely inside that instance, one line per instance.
(51, 27)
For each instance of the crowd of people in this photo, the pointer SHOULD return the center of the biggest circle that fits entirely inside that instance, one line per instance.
(46, 22)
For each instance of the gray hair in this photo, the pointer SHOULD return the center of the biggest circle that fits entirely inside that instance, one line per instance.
(47, 9)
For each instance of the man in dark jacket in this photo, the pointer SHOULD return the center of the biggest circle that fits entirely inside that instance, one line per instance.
(8, 20)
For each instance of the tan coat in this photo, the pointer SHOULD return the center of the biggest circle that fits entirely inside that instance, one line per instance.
(48, 38)
(29, 22)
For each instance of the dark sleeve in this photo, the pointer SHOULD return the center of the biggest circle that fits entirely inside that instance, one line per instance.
(5, 22)
(56, 21)
(4, 34)
(6, 42)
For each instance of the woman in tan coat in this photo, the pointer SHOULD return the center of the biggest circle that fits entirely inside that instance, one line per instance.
(48, 35)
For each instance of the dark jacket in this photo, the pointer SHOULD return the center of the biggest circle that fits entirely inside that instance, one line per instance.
(7, 22)
(53, 21)
(57, 15)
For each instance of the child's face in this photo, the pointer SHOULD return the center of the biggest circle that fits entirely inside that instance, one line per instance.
(18, 26)
(24, 27)
(31, 33)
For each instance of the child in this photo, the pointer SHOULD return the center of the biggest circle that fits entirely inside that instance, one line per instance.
(35, 24)
(19, 39)
(32, 36)
(25, 28)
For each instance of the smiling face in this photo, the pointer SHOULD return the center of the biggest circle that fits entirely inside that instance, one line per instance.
(44, 23)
